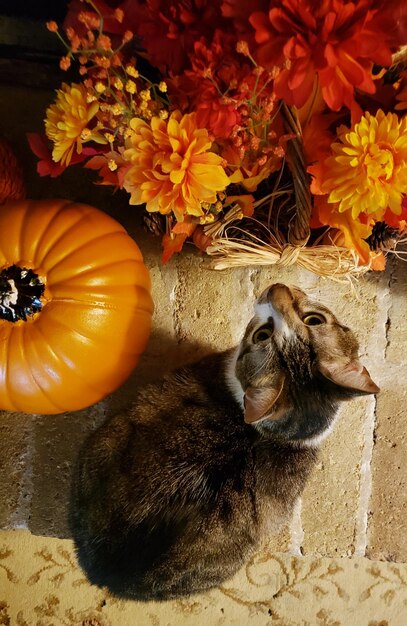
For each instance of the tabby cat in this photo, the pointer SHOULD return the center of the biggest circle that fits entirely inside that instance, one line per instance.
(172, 497)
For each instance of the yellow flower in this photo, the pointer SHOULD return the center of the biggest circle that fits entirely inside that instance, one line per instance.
(66, 122)
(171, 167)
(145, 95)
(117, 108)
(130, 86)
(118, 83)
(367, 172)
(131, 71)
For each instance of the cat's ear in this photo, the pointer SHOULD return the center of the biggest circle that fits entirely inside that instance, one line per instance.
(350, 375)
(260, 402)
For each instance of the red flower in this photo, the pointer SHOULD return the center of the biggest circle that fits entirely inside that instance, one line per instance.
(218, 59)
(111, 168)
(240, 12)
(46, 166)
(211, 86)
(169, 28)
(216, 69)
(215, 114)
(337, 40)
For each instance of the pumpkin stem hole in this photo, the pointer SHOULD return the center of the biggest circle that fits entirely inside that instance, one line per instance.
(20, 293)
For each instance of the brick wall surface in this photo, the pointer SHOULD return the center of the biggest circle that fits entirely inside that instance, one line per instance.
(355, 502)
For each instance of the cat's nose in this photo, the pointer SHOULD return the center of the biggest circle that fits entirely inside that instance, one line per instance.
(276, 293)
(276, 303)
(280, 287)
(281, 298)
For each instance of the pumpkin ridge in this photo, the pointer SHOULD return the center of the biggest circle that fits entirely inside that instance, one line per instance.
(89, 270)
(32, 370)
(79, 248)
(20, 239)
(63, 235)
(73, 291)
(60, 357)
(72, 330)
(47, 396)
(7, 377)
(88, 211)
(45, 230)
(92, 304)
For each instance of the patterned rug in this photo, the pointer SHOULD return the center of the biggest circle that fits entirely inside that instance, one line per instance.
(41, 585)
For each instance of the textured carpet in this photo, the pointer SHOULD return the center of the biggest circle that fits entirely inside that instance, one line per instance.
(41, 585)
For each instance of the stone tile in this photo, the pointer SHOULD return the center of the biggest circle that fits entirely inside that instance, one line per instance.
(56, 442)
(388, 505)
(15, 486)
(160, 354)
(336, 498)
(331, 498)
(266, 276)
(211, 307)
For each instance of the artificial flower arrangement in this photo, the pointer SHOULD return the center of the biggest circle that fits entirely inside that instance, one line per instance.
(264, 131)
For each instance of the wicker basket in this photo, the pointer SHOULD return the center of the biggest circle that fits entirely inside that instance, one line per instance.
(266, 241)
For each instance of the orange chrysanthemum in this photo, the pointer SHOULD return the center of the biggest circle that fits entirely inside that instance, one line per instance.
(367, 171)
(171, 166)
(354, 231)
(67, 120)
(336, 40)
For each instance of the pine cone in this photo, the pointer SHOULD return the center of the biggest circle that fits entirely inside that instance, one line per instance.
(383, 237)
(154, 223)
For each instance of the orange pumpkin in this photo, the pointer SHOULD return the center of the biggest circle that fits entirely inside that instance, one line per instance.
(75, 305)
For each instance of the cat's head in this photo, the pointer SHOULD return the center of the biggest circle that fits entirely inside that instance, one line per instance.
(296, 362)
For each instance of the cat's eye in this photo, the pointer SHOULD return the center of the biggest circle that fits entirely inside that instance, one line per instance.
(313, 319)
(262, 334)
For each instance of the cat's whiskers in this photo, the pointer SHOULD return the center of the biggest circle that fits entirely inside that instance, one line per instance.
(266, 362)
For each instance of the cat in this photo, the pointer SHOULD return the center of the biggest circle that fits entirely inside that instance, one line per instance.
(172, 497)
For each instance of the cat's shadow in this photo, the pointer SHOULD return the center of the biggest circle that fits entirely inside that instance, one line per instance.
(59, 438)
(162, 355)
